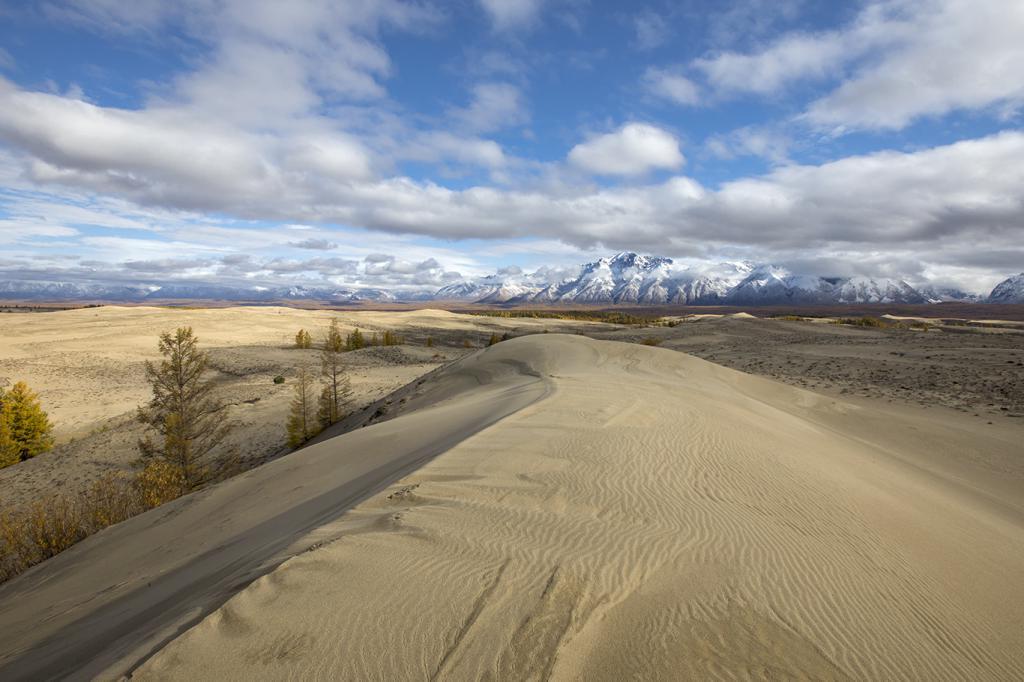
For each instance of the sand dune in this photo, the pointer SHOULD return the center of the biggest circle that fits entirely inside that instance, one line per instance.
(87, 366)
(600, 511)
(87, 363)
(105, 603)
(655, 516)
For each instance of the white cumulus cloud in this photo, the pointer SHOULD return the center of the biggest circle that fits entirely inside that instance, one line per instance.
(897, 61)
(507, 14)
(633, 149)
(671, 85)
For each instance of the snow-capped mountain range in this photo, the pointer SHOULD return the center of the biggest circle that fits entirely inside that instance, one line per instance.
(625, 278)
(630, 278)
(1010, 290)
(73, 291)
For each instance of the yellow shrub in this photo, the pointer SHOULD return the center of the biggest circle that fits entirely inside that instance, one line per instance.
(47, 527)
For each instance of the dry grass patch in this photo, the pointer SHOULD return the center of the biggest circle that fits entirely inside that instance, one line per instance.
(49, 526)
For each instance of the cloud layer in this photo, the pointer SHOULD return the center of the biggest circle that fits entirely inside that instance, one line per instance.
(278, 149)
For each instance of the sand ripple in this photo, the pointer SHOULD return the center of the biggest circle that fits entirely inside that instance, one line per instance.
(654, 516)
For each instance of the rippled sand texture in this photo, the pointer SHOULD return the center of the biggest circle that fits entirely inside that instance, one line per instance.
(653, 516)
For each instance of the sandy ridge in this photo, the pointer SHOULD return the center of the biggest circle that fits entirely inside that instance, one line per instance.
(104, 604)
(656, 516)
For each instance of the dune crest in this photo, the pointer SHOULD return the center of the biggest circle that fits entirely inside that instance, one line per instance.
(655, 516)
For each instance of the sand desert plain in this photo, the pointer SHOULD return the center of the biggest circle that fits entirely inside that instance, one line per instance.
(738, 498)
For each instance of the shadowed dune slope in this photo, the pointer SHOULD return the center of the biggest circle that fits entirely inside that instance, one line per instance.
(573, 509)
(106, 603)
(652, 516)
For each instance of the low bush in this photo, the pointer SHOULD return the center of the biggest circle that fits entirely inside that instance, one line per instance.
(874, 322)
(279, 379)
(49, 526)
(651, 341)
(881, 323)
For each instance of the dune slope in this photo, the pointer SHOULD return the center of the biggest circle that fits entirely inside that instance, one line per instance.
(108, 602)
(654, 516)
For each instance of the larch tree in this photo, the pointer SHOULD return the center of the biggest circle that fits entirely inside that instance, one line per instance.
(26, 430)
(303, 339)
(336, 387)
(302, 419)
(187, 418)
(355, 340)
(9, 451)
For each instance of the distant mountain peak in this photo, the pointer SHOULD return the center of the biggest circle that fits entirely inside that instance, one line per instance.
(630, 259)
(626, 277)
(1010, 290)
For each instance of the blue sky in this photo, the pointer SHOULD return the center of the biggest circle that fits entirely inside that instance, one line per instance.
(408, 144)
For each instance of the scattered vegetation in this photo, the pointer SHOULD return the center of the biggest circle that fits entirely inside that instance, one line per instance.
(302, 420)
(357, 340)
(651, 341)
(25, 429)
(875, 322)
(279, 379)
(187, 419)
(309, 416)
(303, 339)
(494, 339)
(792, 318)
(189, 429)
(881, 323)
(429, 343)
(49, 526)
(353, 341)
(337, 390)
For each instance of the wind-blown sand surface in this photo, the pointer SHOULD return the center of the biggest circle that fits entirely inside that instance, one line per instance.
(87, 363)
(600, 511)
(87, 366)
